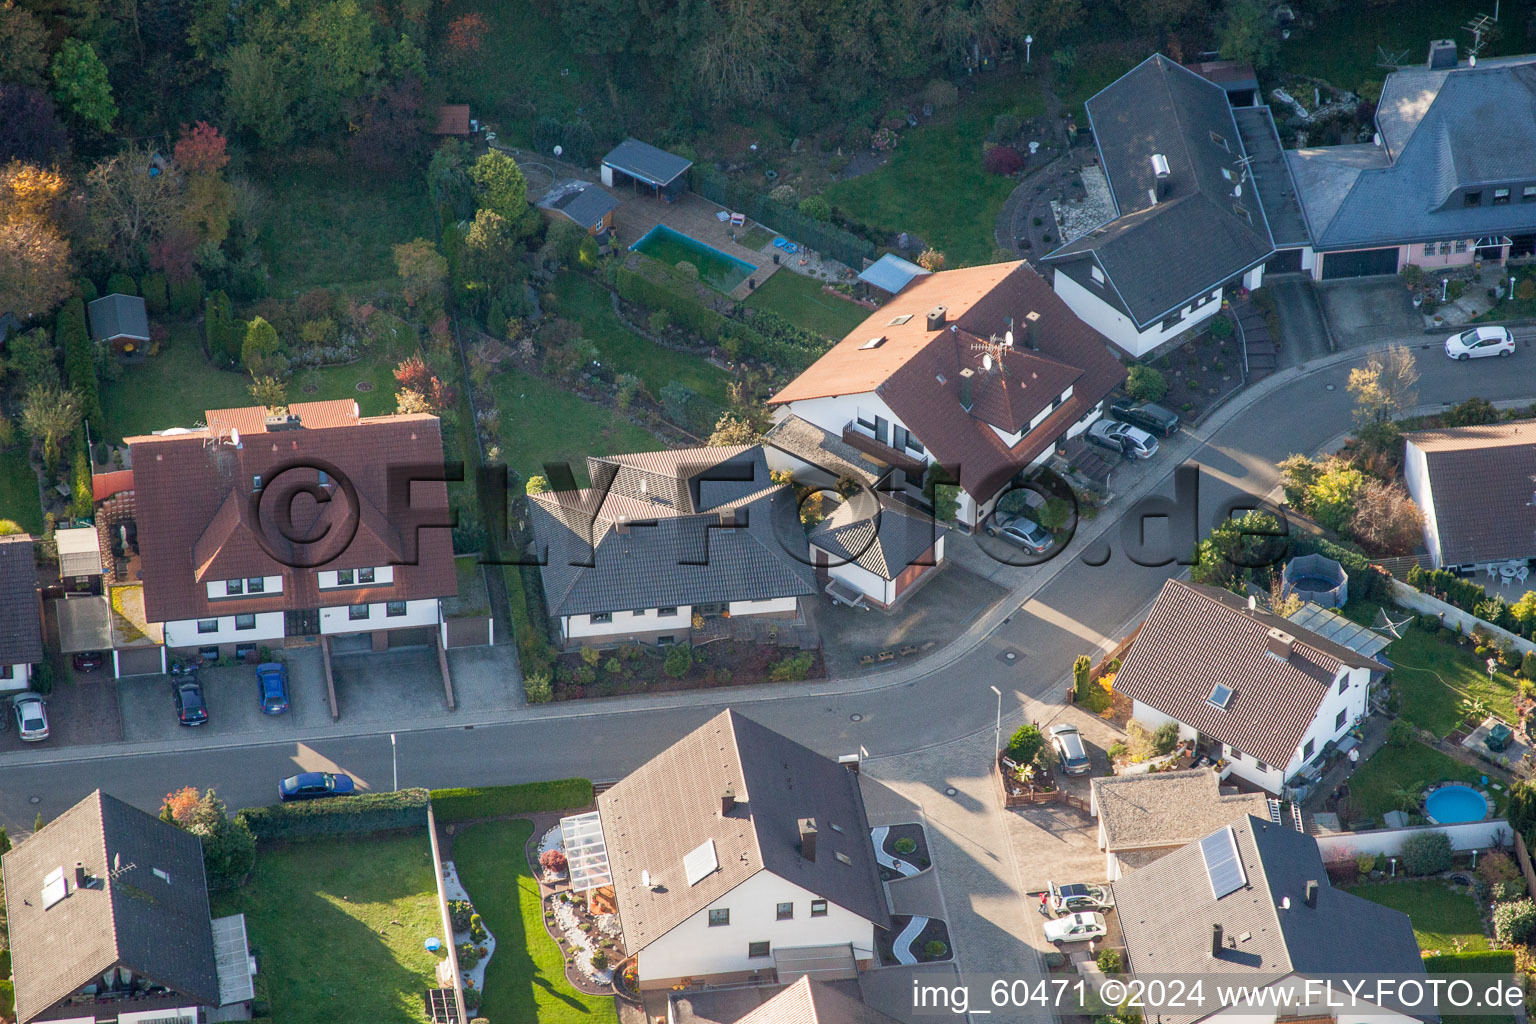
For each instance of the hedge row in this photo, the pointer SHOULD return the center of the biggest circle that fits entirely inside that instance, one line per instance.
(686, 311)
(339, 816)
(841, 245)
(500, 801)
(1449, 587)
(1472, 961)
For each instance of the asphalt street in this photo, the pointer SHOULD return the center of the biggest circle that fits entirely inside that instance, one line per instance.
(1075, 612)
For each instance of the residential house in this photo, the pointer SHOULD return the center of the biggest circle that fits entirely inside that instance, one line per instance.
(107, 910)
(21, 620)
(1447, 179)
(1143, 818)
(878, 546)
(1475, 487)
(366, 555)
(981, 371)
(739, 856)
(120, 321)
(642, 164)
(583, 203)
(453, 119)
(663, 537)
(1191, 225)
(815, 1002)
(1263, 695)
(1250, 904)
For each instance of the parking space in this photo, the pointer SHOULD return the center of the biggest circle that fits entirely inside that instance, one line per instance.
(148, 711)
(82, 711)
(406, 685)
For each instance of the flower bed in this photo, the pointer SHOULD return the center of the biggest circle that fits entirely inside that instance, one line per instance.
(635, 669)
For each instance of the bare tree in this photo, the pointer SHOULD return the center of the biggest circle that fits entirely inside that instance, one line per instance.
(1384, 387)
(128, 205)
(1386, 520)
(50, 414)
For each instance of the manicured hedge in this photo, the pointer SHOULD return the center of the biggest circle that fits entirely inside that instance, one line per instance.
(1472, 961)
(500, 801)
(338, 816)
(658, 293)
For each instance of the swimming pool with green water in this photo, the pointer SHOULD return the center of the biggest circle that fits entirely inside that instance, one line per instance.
(717, 269)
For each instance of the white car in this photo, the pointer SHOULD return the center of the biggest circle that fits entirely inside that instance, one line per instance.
(1070, 752)
(1132, 442)
(1076, 928)
(31, 716)
(1080, 896)
(1479, 342)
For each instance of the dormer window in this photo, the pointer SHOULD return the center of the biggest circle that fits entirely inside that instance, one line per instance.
(1501, 197)
(234, 587)
(256, 482)
(1528, 194)
(1474, 198)
(1098, 273)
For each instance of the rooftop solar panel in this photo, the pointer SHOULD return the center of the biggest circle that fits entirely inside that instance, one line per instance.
(1222, 864)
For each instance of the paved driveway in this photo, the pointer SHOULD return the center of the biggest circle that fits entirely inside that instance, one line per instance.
(82, 711)
(1368, 311)
(1303, 334)
(148, 711)
(405, 686)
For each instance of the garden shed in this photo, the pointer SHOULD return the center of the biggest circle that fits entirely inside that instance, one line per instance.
(642, 164)
(582, 202)
(120, 321)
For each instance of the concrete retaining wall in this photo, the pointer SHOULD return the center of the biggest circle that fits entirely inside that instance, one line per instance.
(1388, 842)
(1421, 602)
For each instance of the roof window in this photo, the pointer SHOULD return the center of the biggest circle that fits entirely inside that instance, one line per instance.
(1221, 696)
(898, 321)
(873, 343)
(1220, 141)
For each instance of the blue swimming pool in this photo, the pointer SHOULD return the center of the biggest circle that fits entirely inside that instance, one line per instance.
(1451, 805)
(717, 269)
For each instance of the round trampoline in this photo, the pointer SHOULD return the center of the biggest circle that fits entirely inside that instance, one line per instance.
(1317, 579)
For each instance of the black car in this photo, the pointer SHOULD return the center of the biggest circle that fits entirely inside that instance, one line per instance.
(89, 661)
(190, 708)
(1147, 416)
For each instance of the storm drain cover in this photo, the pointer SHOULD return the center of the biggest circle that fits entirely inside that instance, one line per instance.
(1010, 656)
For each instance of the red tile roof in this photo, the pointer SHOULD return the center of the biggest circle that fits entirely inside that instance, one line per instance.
(452, 119)
(196, 521)
(917, 371)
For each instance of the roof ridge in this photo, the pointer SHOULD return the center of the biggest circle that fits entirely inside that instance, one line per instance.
(1267, 892)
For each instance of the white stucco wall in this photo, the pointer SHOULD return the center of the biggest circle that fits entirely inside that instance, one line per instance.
(695, 949)
(859, 578)
(647, 620)
(1116, 326)
(1416, 476)
(383, 576)
(1388, 842)
(775, 605)
(417, 613)
(183, 632)
(833, 414)
(220, 588)
(19, 679)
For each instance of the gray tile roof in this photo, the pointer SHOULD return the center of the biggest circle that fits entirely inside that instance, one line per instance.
(1443, 131)
(129, 916)
(584, 202)
(1480, 483)
(674, 549)
(1271, 176)
(644, 161)
(814, 1002)
(1196, 637)
(884, 546)
(1197, 235)
(118, 316)
(1161, 809)
(21, 627)
(810, 443)
(1166, 911)
(671, 805)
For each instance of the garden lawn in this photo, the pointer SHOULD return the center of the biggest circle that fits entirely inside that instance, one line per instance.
(525, 978)
(801, 301)
(589, 304)
(321, 915)
(1441, 915)
(18, 490)
(336, 226)
(1433, 677)
(171, 389)
(1392, 775)
(934, 185)
(542, 423)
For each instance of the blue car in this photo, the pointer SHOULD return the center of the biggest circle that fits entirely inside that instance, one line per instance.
(313, 785)
(272, 687)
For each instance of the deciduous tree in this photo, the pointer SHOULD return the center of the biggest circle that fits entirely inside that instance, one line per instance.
(29, 127)
(1386, 520)
(201, 149)
(271, 392)
(1384, 387)
(23, 46)
(731, 430)
(255, 95)
(129, 207)
(80, 83)
(34, 255)
(229, 848)
(49, 414)
(423, 272)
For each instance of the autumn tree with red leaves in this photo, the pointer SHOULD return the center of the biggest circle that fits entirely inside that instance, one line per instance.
(466, 33)
(201, 149)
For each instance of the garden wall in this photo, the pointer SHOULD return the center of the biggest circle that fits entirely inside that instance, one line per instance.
(1388, 842)
(1421, 602)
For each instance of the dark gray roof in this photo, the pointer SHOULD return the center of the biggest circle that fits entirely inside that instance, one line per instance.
(584, 202)
(675, 548)
(671, 805)
(21, 628)
(129, 916)
(9, 324)
(1443, 131)
(644, 161)
(851, 533)
(1167, 908)
(1480, 482)
(1160, 107)
(119, 316)
(1271, 176)
(1325, 174)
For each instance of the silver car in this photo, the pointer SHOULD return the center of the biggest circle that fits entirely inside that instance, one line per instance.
(1132, 442)
(1021, 533)
(31, 713)
(1070, 751)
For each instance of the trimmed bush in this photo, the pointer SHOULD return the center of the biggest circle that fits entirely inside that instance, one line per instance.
(121, 284)
(678, 661)
(156, 293)
(501, 801)
(1514, 922)
(1146, 383)
(1472, 961)
(1025, 744)
(1427, 853)
(793, 668)
(338, 816)
(186, 295)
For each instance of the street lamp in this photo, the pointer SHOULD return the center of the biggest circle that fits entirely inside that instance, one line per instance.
(1028, 42)
(394, 761)
(998, 732)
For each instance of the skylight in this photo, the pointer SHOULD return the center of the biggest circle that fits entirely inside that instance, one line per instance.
(900, 320)
(1222, 865)
(873, 342)
(701, 863)
(1220, 696)
(54, 887)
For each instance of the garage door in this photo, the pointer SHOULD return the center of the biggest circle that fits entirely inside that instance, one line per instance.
(1361, 263)
(1285, 262)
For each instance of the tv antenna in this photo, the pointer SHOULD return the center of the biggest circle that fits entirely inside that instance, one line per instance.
(1391, 60)
(1478, 26)
(991, 350)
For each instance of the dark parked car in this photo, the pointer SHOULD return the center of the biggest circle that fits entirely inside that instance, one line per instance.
(89, 661)
(190, 708)
(272, 687)
(311, 785)
(1147, 416)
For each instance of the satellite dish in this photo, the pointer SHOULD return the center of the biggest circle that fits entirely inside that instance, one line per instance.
(234, 436)
(1008, 338)
(559, 150)
(986, 362)
(1237, 190)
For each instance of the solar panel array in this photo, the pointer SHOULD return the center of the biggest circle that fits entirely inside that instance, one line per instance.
(700, 862)
(1222, 864)
(586, 854)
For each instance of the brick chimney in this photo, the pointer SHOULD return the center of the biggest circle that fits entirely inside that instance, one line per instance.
(727, 802)
(80, 875)
(1215, 940)
(966, 398)
(1278, 643)
(808, 838)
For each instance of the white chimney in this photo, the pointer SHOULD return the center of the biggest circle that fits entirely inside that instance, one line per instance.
(1160, 165)
(1152, 196)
